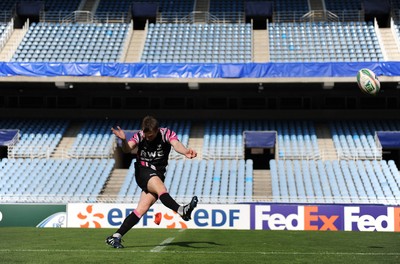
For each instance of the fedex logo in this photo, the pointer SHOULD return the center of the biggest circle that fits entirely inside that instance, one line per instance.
(372, 218)
(293, 217)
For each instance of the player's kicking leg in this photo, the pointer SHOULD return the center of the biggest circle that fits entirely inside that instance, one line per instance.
(186, 210)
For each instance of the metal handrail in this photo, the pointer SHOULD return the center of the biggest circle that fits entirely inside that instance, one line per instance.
(338, 15)
(209, 18)
(320, 15)
(100, 198)
(73, 17)
(47, 152)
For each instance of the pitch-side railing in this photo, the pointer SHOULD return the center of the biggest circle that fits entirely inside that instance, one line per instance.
(96, 198)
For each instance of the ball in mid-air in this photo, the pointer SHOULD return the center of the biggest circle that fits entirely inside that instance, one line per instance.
(368, 82)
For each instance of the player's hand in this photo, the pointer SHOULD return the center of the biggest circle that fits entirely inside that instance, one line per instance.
(118, 132)
(191, 154)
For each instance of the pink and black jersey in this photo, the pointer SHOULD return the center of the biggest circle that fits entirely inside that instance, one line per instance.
(154, 154)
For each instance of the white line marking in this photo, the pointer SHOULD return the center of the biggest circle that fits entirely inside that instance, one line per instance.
(162, 245)
(204, 252)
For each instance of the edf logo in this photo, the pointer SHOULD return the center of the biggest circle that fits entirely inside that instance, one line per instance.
(216, 218)
(204, 216)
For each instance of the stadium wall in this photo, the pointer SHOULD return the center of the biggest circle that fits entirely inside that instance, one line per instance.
(252, 216)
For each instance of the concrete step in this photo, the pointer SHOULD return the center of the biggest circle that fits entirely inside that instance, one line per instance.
(389, 45)
(261, 45)
(115, 181)
(11, 46)
(325, 142)
(136, 45)
(68, 139)
(262, 186)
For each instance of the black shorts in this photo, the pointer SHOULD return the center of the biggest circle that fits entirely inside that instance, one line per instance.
(143, 175)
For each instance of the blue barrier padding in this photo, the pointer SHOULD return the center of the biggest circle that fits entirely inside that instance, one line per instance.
(259, 139)
(197, 70)
(389, 139)
(7, 136)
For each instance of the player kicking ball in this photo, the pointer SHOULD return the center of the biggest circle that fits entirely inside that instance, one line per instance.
(153, 147)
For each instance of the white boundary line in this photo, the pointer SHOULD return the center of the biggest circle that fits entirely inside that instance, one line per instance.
(162, 245)
(165, 243)
(205, 252)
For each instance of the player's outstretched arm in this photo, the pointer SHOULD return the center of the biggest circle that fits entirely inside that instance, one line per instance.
(127, 147)
(180, 148)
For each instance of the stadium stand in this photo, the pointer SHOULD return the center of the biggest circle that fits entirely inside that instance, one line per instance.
(185, 43)
(94, 140)
(356, 139)
(224, 139)
(226, 180)
(78, 42)
(53, 180)
(324, 41)
(333, 181)
(38, 138)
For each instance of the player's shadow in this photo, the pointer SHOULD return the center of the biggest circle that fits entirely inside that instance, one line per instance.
(194, 244)
(187, 244)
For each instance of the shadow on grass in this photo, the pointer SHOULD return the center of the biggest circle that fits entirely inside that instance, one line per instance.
(194, 244)
(187, 244)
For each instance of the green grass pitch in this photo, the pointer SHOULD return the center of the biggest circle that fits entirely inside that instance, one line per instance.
(48, 245)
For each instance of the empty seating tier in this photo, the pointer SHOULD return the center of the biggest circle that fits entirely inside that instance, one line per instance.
(50, 180)
(224, 139)
(38, 138)
(198, 43)
(323, 42)
(55, 42)
(356, 139)
(334, 181)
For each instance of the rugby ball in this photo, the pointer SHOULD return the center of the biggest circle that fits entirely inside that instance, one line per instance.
(368, 82)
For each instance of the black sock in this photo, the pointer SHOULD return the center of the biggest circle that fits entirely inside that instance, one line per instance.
(128, 223)
(167, 200)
